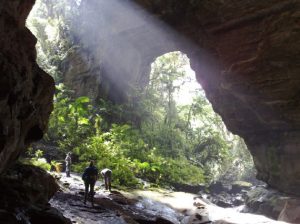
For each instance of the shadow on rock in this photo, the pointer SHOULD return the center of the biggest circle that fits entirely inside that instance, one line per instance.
(24, 194)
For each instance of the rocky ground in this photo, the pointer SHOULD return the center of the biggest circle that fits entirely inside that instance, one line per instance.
(143, 206)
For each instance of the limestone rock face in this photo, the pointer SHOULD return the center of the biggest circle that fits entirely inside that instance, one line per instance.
(245, 53)
(24, 194)
(25, 90)
(81, 73)
(273, 204)
(25, 185)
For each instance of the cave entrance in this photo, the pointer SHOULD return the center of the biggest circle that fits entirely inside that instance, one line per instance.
(190, 123)
(171, 109)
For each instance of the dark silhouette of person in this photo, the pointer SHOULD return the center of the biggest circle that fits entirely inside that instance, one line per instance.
(68, 161)
(90, 176)
(106, 173)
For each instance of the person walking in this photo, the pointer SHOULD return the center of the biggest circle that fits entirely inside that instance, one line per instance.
(107, 173)
(90, 176)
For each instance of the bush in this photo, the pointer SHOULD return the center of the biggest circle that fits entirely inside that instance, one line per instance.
(40, 162)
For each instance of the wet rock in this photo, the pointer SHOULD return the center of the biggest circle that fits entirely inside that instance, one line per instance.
(199, 217)
(66, 184)
(291, 211)
(238, 200)
(8, 217)
(24, 194)
(158, 207)
(227, 195)
(161, 220)
(47, 216)
(121, 199)
(198, 203)
(158, 220)
(188, 188)
(218, 187)
(223, 203)
(25, 185)
(239, 186)
(272, 203)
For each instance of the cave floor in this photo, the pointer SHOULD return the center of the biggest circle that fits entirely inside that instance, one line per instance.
(142, 206)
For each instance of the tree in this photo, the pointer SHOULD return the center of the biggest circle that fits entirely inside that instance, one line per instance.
(53, 22)
(70, 121)
(160, 104)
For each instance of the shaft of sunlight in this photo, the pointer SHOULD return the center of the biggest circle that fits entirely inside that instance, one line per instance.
(129, 38)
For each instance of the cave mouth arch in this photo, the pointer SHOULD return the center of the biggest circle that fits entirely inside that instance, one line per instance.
(177, 84)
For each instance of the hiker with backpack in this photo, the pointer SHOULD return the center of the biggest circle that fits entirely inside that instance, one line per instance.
(90, 176)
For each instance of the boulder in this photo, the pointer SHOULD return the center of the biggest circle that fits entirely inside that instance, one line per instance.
(47, 216)
(239, 186)
(25, 185)
(291, 211)
(24, 194)
(188, 187)
(273, 204)
(218, 187)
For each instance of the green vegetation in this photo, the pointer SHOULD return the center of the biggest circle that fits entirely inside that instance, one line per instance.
(153, 137)
(36, 159)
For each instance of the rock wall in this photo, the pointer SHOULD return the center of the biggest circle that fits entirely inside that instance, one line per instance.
(273, 204)
(245, 54)
(256, 85)
(24, 194)
(25, 90)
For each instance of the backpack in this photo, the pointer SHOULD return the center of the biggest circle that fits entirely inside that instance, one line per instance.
(90, 174)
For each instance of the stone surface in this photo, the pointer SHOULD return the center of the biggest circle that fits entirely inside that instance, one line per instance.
(273, 204)
(245, 54)
(188, 188)
(25, 90)
(48, 216)
(290, 212)
(110, 207)
(25, 185)
(81, 73)
(24, 194)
